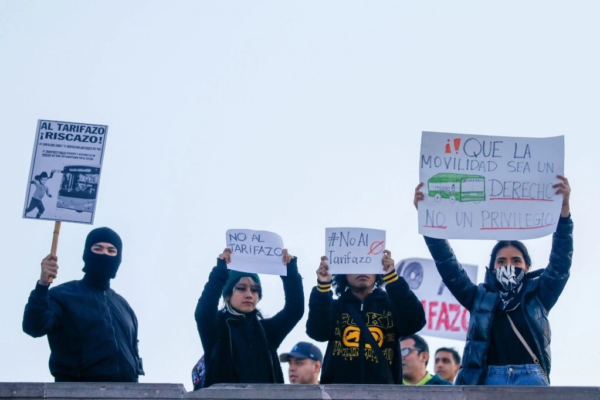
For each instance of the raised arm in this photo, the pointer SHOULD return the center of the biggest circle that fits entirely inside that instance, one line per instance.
(282, 323)
(409, 317)
(320, 323)
(555, 276)
(42, 314)
(452, 273)
(208, 304)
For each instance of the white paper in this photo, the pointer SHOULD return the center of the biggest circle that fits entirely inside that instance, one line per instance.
(256, 251)
(489, 187)
(354, 250)
(446, 318)
(67, 161)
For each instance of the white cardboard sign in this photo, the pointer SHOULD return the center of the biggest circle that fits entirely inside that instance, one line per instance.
(489, 187)
(446, 318)
(64, 177)
(256, 251)
(354, 250)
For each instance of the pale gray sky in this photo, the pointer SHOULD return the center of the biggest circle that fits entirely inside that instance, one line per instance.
(288, 116)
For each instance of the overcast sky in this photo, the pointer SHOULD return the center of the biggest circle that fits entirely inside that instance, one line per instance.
(287, 116)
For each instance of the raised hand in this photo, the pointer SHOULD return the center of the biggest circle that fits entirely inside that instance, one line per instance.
(418, 195)
(323, 274)
(387, 262)
(226, 255)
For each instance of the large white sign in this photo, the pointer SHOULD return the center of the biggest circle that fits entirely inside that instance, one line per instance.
(446, 318)
(354, 250)
(65, 171)
(256, 251)
(489, 187)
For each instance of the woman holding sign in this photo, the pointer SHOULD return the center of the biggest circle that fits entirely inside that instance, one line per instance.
(240, 345)
(508, 341)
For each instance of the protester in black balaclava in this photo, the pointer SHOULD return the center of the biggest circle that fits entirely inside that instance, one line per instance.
(102, 257)
(92, 331)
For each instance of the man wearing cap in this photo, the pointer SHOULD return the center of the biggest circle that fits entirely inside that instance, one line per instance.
(305, 363)
(92, 331)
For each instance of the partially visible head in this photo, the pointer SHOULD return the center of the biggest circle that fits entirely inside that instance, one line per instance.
(42, 178)
(305, 363)
(510, 252)
(341, 283)
(415, 356)
(102, 254)
(447, 363)
(242, 291)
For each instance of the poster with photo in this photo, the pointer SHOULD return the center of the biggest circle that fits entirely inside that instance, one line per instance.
(64, 177)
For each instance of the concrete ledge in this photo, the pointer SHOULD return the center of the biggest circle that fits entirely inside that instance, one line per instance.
(89, 391)
(397, 392)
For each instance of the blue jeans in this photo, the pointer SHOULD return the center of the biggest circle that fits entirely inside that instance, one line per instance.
(515, 375)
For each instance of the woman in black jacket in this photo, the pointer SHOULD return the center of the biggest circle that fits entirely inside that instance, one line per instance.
(240, 346)
(511, 300)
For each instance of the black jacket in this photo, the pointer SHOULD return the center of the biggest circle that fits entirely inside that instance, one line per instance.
(541, 289)
(388, 314)
(217, 326)
(92, 333)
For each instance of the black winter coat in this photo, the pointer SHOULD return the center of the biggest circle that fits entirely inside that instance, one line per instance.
(541, 289)
(92, 333)
(388, 314)
(216, 327)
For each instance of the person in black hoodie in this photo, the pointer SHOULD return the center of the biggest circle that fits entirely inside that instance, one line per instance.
(92, 331)
(512, 299)
(388, 315)
(240, 346)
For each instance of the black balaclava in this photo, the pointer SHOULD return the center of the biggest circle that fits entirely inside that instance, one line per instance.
(101, 268)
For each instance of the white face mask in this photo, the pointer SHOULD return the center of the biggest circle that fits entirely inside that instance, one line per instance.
(509, 277)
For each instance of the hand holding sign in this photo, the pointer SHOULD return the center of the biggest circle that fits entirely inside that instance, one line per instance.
(565, 189)
(387, 262)
(49, 269)
(226, 255)
(419, 196)
(287, 257)
(323, 274)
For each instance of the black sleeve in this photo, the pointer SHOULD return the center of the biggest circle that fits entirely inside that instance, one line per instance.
(555, 276)
(208, 304)
(42, 314)
(452, 273)
(282, 323)
(409, 316)
(321, 318)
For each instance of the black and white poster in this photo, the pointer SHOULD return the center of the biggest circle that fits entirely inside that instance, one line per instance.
(65, 171)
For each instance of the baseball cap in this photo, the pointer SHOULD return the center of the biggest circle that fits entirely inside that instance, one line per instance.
(303, 350)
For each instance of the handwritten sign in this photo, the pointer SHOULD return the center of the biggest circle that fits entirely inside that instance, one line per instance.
(256, 251)
(354, 250)
(64, 177)
(489, 187)
(446, 318)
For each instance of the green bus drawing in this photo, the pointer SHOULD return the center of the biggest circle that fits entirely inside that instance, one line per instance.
(456, 187)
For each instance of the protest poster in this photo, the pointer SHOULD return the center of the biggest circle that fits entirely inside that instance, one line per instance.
(256, 251)
(64, 177)
(489, 187)
(354, 250)
(446, 318)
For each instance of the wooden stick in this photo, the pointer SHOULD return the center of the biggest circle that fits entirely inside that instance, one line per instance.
(54, 243)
